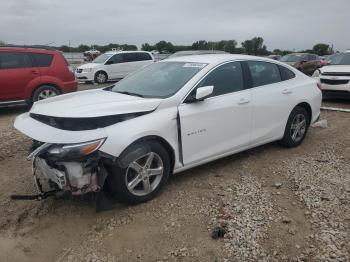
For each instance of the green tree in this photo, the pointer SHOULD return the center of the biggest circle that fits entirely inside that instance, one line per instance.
(147, 47)
(83, 48)
(321, 49)
(200, 45)
(64, 48)
(162, 46)
(255, 46)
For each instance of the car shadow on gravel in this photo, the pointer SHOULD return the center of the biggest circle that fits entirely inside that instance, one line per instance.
(14, 110)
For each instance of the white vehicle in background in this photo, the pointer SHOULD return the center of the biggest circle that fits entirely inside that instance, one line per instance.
(113, 65)
(335, 77)
(165, 118)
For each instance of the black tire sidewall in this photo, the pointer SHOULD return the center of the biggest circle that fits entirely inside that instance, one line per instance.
(287, 140)
(37, 91)
(101, 72)
(116, 177)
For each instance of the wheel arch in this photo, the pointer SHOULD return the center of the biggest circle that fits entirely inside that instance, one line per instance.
(45, 84)
(170, 150)
(101, 70)
(308, 109)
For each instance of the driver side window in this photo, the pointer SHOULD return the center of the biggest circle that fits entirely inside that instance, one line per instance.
(227, 78)
(116, 59)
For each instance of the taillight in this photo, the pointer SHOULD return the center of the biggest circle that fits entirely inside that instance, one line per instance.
(319, 86)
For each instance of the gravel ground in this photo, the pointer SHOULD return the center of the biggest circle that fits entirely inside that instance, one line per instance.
(274, 204)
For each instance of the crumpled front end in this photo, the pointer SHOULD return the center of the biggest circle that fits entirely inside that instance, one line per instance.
(64, 170)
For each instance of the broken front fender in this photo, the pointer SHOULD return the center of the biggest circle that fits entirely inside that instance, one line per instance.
(48, 134)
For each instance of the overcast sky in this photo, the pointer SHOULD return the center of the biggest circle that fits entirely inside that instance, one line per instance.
(294, 24)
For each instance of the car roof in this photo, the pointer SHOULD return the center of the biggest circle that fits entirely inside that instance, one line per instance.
(28, 49)
(123, 52)
(215, 58)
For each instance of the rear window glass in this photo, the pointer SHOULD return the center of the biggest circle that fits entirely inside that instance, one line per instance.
(145, 56)
(42, 60)
(264, 73)
(12, 60)
(286, 74)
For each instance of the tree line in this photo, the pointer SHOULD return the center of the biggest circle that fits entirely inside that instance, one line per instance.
(254, 46)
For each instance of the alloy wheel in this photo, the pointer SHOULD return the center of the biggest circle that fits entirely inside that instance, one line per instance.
(144, 174)
(46, 94)
(101, 78)
(298, 127)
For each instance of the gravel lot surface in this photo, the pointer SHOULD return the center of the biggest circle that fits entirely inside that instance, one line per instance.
(274, 204)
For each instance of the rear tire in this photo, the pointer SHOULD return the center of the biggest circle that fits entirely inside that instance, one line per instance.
(144, 171)
(45, 91)
(101, 77)
(296, 128)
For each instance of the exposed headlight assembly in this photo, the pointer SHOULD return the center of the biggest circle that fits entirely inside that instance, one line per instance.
(76, 150)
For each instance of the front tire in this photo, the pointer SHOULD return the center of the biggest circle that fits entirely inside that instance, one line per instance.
(145, 170)
(296, 128)
(101, 77)
(44, 92)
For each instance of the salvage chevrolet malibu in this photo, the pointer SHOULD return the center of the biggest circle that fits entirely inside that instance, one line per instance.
(165, 118)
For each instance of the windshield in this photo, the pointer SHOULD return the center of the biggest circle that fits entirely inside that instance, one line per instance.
(340, 59)
(291, 58)
(160, 80)
(102, 58)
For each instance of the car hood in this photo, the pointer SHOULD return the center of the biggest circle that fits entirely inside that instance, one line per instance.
(89, 65)
(336, 69)
(93, 103)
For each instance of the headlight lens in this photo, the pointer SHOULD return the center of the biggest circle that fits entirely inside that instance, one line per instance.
(316, 74)
(87, 69)
(76, 150)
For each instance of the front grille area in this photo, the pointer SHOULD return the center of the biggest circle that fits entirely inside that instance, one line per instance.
(334, 82)
(79, 70)
(335, 74)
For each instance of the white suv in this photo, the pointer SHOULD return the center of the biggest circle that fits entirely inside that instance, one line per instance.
(113, 65)
(335, 77)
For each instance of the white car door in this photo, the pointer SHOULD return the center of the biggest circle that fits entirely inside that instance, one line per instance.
(222, 122)
(115, 67)
(272, 100)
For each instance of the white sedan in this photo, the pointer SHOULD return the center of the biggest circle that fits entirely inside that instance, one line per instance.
(165, 118)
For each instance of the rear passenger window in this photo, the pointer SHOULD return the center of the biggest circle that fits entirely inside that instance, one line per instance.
(12, 60)
(145, 56)
(264, 73)
(42, 60)
(227, 78)
(286, 74)
(129, 57)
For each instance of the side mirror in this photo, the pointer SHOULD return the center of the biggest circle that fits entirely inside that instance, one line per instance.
(109, 62)
(203, 92)
(200, 94)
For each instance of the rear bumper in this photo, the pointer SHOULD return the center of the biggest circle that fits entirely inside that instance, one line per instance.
(70, 86)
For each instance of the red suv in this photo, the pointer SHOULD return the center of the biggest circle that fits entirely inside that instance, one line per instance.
(31, 74)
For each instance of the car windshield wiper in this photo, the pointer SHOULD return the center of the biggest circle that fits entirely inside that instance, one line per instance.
(129, 93)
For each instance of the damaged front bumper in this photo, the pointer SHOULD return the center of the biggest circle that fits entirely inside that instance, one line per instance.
(63, 174)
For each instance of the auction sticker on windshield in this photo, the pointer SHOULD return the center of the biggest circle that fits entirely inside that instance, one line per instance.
(197, 65)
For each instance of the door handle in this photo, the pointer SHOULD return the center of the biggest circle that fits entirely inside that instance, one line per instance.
(286, 91)
(243, 101)
(34, 72)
